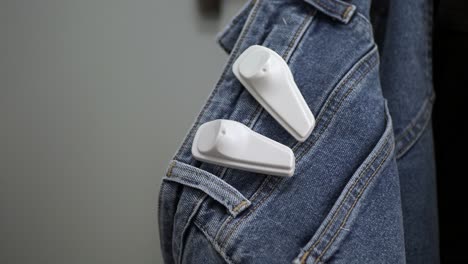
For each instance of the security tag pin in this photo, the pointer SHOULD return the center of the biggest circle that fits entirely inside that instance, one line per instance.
(232, 144)
(268, 78)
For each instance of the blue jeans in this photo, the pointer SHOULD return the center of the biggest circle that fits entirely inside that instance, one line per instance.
(364, 187)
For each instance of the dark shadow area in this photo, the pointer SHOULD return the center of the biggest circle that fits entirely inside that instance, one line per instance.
(449, 121)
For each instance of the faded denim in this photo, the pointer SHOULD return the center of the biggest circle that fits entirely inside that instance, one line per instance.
(363, 178)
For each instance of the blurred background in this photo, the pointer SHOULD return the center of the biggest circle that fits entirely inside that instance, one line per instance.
(96, 96)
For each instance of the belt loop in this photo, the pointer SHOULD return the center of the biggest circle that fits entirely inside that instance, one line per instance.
(208, 183)
(337, 9)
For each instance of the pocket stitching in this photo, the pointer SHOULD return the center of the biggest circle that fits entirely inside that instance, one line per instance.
(252, 199)
(329, 103)
(410, 135)
(329, 224)
(299, 33)
(312, 143)
(387, 154)
(236, 226)
(386, 146)
(215, 244)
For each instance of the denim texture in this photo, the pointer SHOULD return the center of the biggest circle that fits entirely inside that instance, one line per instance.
(406, 76)
(362, 178)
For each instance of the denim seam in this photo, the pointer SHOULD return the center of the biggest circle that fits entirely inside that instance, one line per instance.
(324, 6)
(187, 224)
(159, 212)
(324, 129)
(299, 33)
(365, 19)
(160, 199)
(237, 224)
(169, 171)
(410, 135)
(313, 248)
(230, 218)
(334, 108)
(215, 245)
(347, 194)
(413, 122)
(364, 188)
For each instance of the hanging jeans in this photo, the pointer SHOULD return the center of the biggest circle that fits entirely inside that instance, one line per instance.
(364, 186)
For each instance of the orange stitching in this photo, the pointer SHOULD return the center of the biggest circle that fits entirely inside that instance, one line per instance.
(169, 171)
(346, 12)
(239, 206)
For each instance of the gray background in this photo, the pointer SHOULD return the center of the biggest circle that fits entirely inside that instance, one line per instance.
(96, 96)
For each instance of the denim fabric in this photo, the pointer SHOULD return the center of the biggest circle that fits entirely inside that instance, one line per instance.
(406, 77)
(345, 202)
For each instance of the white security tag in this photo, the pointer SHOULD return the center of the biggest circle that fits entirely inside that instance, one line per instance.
(268, 78)
(232, 144)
